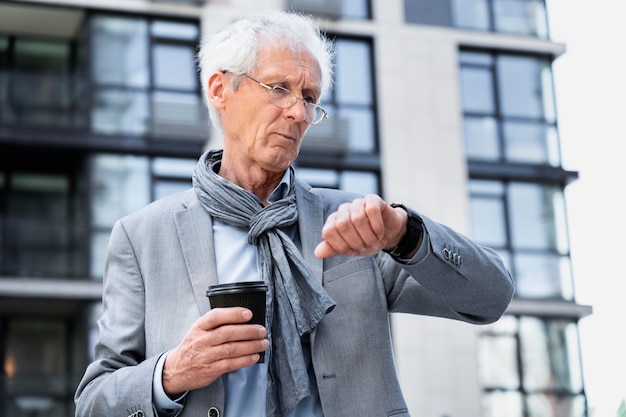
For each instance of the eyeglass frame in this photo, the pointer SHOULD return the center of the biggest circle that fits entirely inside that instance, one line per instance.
(271, 89)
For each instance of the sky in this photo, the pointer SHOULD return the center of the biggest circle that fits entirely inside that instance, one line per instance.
(590, 86)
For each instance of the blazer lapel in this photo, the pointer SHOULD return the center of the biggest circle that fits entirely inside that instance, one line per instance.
(195, 232)
(310, 223)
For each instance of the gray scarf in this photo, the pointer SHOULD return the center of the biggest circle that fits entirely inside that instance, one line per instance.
(297, 302)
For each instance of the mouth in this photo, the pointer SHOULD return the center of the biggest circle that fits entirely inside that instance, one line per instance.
(288, 136)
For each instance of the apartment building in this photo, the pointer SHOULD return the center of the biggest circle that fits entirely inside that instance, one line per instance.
(446, 105)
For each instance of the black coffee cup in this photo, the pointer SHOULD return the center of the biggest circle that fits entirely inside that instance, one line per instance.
(248, 294)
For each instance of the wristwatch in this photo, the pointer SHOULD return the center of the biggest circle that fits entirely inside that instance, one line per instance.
(414, 231)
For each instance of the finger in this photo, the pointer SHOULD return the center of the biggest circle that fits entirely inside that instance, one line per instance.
(324, 250)
(235, 333)
(217, 317)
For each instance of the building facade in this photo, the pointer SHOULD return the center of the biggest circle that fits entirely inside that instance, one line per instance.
(446, 105)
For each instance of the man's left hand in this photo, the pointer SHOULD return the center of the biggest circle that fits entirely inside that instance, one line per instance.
(362, 228)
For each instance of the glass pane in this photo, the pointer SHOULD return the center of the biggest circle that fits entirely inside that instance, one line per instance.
(120, 185)
(542, 276)
(532, 216)
(41, 234)
(502, 404)
(547, 352)
(117, 111)
(359, 182)
(174, 30)
(174, 67)
(497, 362)
(471, 14)
(120, 51)
(476, 58)
(173, 167)
(477, 90)
(353, 79)
(523, 17)
(361, 131)
(164, 188)
(553, 406)
(35, 364)
(528, 142)
(179, 116)
(355, 9)
(481, 138)
(99, 242)
(42, 56)
(506, 325)
(319, 177)
(521, 86)
(488, 221)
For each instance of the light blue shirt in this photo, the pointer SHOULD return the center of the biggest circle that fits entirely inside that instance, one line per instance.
(246, 388)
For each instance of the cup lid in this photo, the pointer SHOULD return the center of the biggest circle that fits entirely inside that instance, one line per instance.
(238, 286)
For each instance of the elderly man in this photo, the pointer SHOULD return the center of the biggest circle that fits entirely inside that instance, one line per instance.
(336, 264)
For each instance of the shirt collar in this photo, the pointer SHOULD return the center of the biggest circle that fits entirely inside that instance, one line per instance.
(282, 189)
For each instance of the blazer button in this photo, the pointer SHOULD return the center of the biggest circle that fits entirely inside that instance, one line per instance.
(214, 412)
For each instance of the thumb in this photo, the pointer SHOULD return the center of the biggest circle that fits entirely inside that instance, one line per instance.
(324, 250)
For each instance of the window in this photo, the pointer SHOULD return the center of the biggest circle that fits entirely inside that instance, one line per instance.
(518, 17)
(42, 86)
(42, 216)
(36, 369)
(525, 223)
(531, 367)
(146, 79)
(509, 110)
(342, 151)
(120, 184)
(333, 9)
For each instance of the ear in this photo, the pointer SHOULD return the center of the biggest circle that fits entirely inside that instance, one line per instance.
(217, 85)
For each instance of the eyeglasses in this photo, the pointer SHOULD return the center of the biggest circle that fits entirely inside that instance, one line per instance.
(284, 99)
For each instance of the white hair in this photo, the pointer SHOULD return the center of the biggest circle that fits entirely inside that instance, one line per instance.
(235, 48)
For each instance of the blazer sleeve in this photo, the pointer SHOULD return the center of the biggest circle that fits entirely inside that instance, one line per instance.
(457, 279)
(119, 380)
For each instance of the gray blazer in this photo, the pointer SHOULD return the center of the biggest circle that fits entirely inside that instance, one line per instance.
(161, 260)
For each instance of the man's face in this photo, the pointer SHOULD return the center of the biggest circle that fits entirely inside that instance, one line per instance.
(262, 134)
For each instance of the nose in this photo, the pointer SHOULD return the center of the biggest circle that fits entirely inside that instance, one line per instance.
(297, 111)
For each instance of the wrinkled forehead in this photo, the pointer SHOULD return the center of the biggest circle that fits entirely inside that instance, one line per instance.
(275, 53)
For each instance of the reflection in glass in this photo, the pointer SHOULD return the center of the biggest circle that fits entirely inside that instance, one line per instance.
(547, 354)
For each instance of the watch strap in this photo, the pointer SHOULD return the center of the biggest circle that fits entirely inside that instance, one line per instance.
(414, 232)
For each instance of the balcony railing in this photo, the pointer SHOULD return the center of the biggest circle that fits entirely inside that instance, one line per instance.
(62, 102)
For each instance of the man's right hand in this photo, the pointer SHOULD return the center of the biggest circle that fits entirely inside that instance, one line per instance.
(217, 343)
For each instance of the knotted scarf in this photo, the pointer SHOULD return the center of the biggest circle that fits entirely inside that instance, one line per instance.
(296, 300)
